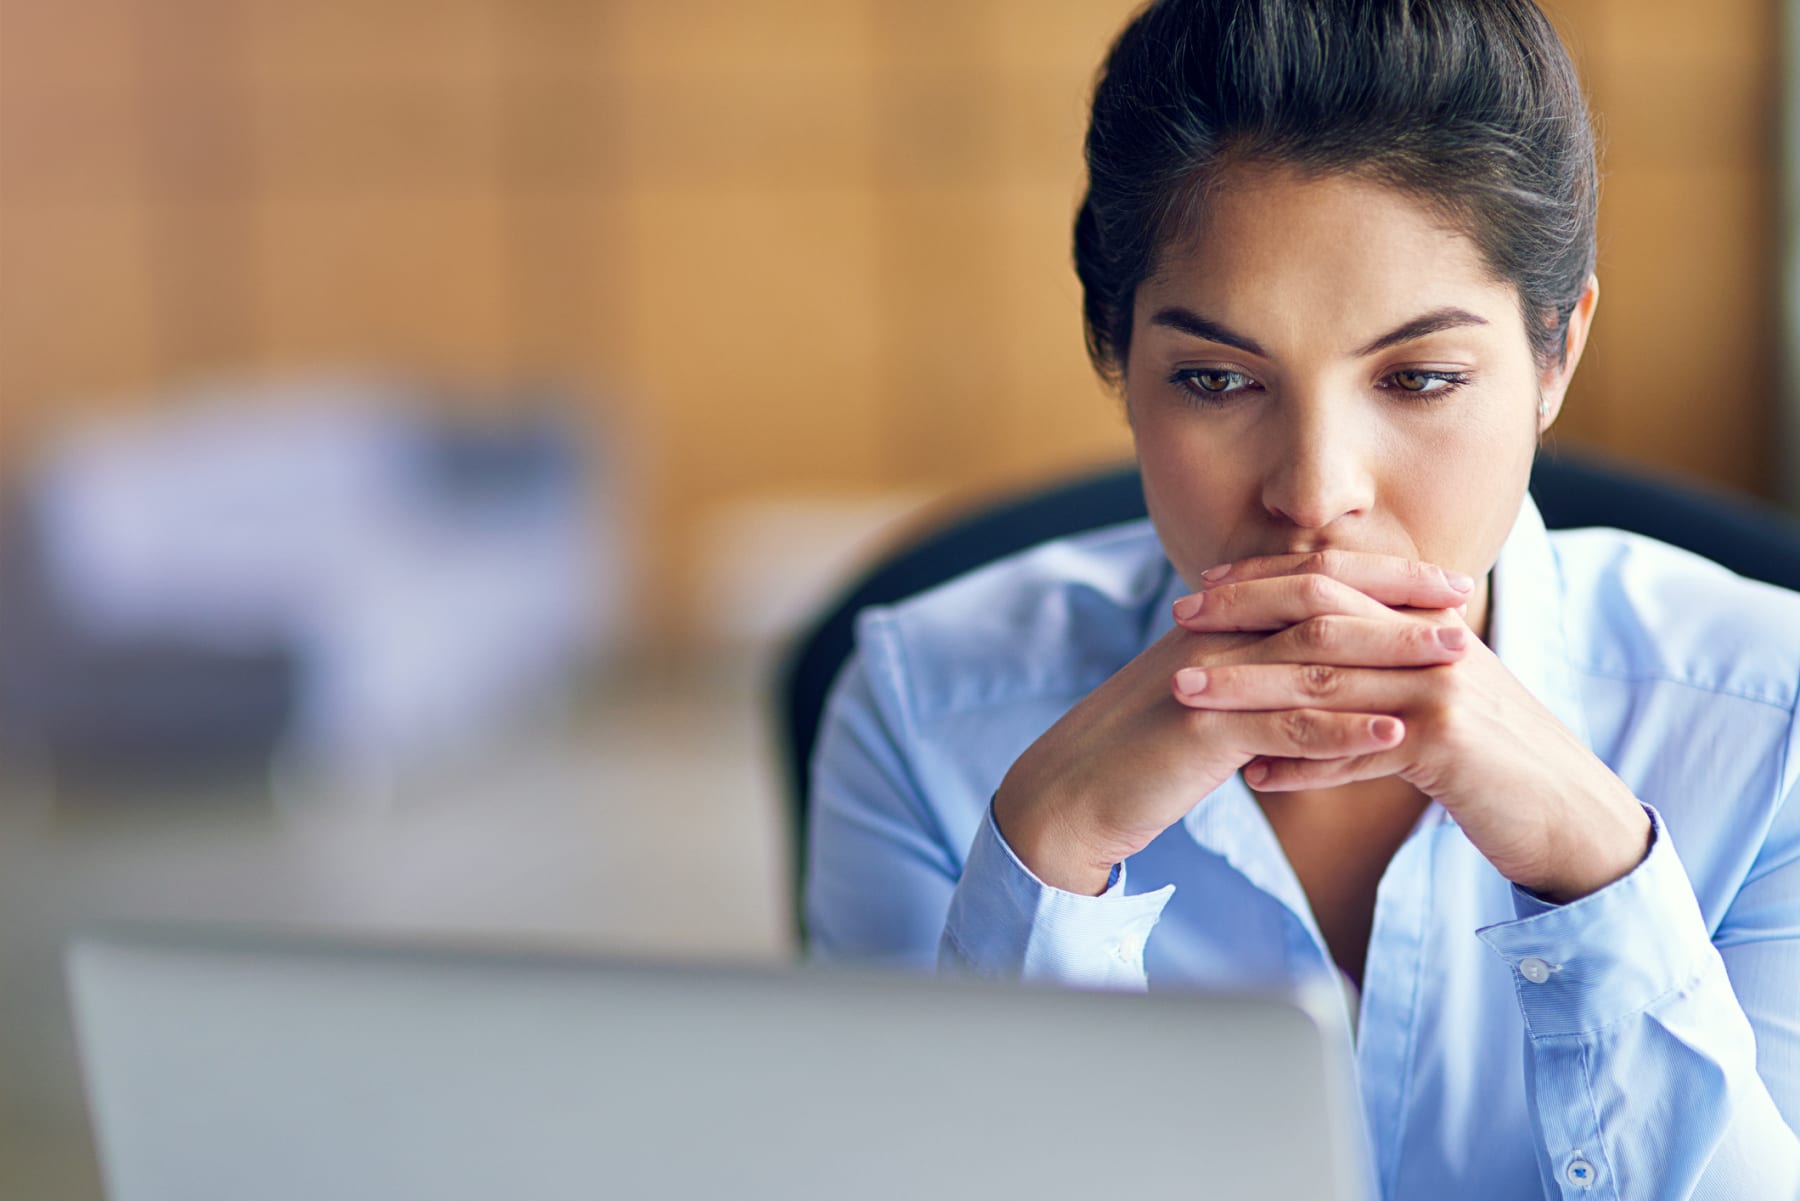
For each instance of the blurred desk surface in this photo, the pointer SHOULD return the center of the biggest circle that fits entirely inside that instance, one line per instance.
(648, 818)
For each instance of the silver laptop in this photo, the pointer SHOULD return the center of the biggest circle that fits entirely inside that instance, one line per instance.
(262, 1067)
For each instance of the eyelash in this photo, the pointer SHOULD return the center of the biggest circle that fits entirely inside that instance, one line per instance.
(1200, 398)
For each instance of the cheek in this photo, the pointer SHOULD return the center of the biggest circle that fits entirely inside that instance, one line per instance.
(1460, 491)
(1178, 456)
(1193, 488)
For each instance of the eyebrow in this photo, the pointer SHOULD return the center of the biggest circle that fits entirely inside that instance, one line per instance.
(1437, 320)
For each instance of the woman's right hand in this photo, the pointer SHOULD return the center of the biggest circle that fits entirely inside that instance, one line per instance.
(1129, 760)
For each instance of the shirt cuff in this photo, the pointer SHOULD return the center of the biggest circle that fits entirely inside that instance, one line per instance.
(1584, 965)
(1005, 922)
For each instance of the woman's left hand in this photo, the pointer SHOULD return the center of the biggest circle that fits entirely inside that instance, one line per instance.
(1544, 810)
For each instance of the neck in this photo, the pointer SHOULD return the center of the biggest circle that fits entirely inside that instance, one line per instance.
(1481, 607)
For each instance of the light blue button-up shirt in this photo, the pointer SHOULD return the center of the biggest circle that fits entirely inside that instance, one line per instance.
(1640, 1043)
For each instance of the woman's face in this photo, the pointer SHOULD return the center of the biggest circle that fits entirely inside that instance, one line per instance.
(1325, 364)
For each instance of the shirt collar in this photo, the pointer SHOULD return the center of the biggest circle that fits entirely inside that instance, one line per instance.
(1160, 618)
(1525, 619)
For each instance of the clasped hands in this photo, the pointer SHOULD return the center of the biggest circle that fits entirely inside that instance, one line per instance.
(1310, 671)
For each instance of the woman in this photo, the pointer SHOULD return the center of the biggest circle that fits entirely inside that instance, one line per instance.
(1342, 704)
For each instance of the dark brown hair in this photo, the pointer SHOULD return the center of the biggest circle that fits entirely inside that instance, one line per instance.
(1471, 106)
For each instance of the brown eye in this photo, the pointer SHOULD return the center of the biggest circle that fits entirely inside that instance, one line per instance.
(1435, 384)
(1211, 381)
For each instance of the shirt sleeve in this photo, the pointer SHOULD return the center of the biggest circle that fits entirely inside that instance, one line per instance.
(1661, 1061)
(880, 871)
(1005, 922)
(884, 885)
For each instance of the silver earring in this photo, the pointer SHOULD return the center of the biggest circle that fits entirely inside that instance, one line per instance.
(1543, 408)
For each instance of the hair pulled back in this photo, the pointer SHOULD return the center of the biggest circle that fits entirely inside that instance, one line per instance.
(1470, 106)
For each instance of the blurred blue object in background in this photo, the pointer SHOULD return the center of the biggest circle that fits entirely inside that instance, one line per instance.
(331, 573)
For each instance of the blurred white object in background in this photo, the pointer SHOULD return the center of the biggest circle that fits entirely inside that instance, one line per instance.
(431, 579)
(772, 563)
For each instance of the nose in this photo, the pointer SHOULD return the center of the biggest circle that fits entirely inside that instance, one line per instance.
(1321, 471)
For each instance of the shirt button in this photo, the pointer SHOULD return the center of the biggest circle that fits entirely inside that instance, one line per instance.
(1580, 1173)
(1536, 971)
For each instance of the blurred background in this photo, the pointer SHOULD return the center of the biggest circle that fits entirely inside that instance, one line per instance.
(424, 422)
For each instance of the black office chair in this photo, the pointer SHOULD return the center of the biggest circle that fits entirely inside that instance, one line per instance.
(1570, 491)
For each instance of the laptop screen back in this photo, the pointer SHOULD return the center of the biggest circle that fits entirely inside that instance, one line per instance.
(292, 1069)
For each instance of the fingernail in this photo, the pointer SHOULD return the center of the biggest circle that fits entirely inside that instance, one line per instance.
(1190, 680)
(1459, 581)
(1385, 729)
(1188, 607)
(1213, 575)
(1256, 774)
(1452, 638)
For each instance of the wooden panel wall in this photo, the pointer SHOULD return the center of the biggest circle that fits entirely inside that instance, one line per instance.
(1683, 368)
(794, 245)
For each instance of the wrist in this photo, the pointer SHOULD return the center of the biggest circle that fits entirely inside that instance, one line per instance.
(1050, 845)
(1603, 857)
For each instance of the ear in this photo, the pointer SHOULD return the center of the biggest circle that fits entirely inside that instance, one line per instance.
(1553, 384)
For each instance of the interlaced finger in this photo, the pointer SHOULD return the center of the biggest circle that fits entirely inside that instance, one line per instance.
(1390, 579)
(1307, 733)
(1274, 604)
(1394, 640)
(1272, 686)
(1288, 775)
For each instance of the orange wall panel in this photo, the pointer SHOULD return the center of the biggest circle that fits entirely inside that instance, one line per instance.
(77, 322)
(796, 246)
(418, 281)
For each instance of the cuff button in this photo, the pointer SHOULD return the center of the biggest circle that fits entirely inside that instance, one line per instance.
(1581, 1173)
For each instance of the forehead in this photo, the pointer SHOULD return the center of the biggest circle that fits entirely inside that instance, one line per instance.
(1277, 236)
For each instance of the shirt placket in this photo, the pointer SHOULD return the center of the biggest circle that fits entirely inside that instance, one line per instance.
(1230, 824)
(1392, 993)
